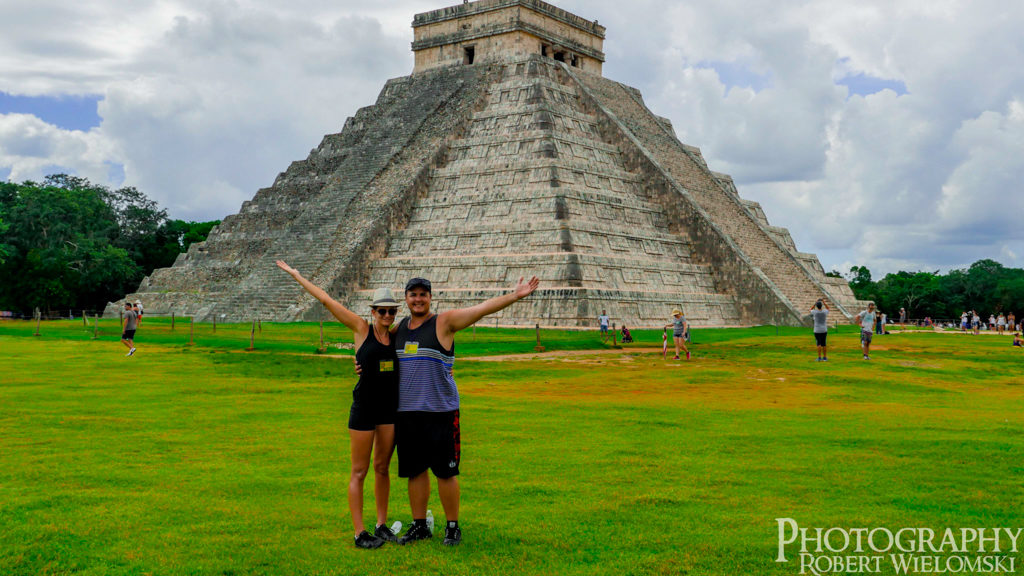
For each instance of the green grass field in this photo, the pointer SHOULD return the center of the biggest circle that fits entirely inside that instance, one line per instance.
(208, 459)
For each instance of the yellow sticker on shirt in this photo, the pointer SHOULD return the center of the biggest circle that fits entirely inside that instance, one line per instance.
(387, 365)
(412, 347)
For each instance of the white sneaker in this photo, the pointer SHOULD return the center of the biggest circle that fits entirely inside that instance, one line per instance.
(130, 352)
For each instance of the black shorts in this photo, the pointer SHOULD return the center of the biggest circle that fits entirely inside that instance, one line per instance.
(428, 440)
(128, 335)
(367, 416)
(820, 337)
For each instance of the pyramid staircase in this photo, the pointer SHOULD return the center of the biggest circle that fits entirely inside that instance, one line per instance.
(531, 189)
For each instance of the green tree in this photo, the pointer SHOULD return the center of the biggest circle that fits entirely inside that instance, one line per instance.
(69, 243)
(913, 291)
(4, 248)
(61, 254)
(1009, 293)
(861, 284)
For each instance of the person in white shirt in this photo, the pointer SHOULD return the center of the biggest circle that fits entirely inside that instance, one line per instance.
(866, 319)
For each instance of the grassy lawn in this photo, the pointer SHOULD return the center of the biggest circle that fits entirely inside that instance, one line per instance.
(207, 459)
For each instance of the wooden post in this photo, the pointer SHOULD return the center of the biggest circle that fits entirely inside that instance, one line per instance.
(191, 329)
(259, 324)
(615, 344)
(85, 320)
(95, 326)
(39, 318)
(538, 347)
(214, 323)
(172, 321)
(252, 337)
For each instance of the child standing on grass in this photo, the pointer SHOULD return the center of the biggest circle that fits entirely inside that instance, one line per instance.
(679, 327)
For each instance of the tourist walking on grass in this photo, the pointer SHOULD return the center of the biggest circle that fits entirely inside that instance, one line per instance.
(371, 420)
(1001, 323)
(1011, 321)
(965, 321)
(602, 320)
(866, 319)
(975, 322)
(903, 318)
(131, 321)
(819, 314)
(428, 432)
(680, 327)
(138, 311)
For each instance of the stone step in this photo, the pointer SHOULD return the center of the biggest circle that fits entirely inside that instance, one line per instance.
(540, 169)
(535, 137)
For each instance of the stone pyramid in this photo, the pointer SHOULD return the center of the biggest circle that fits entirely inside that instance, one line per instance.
(504, 154)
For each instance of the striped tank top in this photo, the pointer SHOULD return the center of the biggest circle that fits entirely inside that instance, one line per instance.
(425, 376)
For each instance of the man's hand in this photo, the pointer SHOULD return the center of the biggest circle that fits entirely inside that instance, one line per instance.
(359, 369)
(524, 289)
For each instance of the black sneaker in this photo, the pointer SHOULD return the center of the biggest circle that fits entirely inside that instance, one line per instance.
(368, 541)
(452, 536)
(385, 533)
(414, 533)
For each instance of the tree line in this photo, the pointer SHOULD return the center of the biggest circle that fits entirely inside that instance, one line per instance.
(986, 286)
(69, 244)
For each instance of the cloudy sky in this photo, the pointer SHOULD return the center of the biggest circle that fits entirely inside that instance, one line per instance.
(888, 133)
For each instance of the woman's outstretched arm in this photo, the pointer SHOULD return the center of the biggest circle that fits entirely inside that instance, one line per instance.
(347, 317)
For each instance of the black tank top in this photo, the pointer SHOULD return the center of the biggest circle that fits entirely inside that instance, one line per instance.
(378, 384)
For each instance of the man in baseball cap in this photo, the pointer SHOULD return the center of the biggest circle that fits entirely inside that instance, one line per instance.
(427, 425)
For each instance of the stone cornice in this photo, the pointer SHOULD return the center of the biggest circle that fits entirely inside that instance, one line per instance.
(504, 28)
(472, 8)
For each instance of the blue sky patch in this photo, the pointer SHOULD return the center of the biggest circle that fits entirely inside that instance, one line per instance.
(737, 75)
(115, 174)
(67, 112)
(5, 174)
(865, 85)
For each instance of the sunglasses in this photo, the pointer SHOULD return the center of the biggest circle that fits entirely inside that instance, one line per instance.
(387, 311)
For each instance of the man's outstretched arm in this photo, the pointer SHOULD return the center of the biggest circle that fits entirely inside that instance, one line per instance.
(454, 320)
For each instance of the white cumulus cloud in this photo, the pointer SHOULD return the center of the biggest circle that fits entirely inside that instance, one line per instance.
(202, 103)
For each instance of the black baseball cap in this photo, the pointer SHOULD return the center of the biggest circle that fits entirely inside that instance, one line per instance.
(417, 282)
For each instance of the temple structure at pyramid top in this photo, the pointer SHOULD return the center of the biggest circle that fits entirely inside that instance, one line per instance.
(505, 153)
(491, 30)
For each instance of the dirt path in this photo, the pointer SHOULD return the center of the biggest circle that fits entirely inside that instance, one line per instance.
(558, 354)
